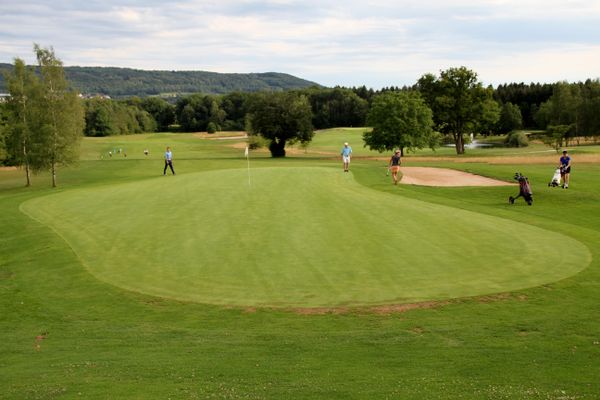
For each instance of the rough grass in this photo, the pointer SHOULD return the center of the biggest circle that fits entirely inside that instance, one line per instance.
(66, 334)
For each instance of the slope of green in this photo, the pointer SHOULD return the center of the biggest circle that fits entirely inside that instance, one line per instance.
(296, 237)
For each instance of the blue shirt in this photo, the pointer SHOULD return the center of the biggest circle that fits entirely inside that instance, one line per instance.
(346, 151)
(168, 156)
(565, 160)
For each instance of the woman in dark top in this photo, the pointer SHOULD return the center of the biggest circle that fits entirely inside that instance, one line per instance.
(395, 166)
(565, 169)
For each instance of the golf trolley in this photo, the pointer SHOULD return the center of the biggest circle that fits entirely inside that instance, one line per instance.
(555, 178)
(524, 190)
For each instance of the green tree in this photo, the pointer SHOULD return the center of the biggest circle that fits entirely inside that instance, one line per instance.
(510, 118)
(555, 135)
(336, 107)
(99, 115)
(59, 121)
(561, 113)
(196, 111)
(235, 106)
(23, 87)
(457, 100)
(3, 130)
(490, 114)
(399, 120)
(281, 118)
(162, 112)
(104, 117)
(588, 121)
(216, 115)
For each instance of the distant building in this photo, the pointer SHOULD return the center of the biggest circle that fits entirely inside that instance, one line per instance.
(94, 96)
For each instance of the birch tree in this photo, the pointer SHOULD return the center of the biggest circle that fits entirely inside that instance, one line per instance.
(23, 87)
(59, 122)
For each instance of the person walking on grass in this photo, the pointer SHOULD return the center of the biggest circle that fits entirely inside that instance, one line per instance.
(168, 161)
(394, 166)
(565, 169)
(346, 151)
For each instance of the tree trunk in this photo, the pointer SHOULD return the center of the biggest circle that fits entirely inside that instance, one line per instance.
(27, 171)
(401, 151)
(277, 148)
(24, 143)
(53, 174)
(460, 144)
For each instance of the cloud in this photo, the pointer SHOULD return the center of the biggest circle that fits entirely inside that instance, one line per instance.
(372, 42)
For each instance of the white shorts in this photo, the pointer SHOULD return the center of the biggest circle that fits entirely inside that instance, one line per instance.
(346, 159)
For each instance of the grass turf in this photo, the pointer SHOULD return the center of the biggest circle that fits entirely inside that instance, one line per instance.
(66, 334)
(301, 237)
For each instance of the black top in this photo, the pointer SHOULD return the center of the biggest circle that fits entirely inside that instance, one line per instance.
(395, 160)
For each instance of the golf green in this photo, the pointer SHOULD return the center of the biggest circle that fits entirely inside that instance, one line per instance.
(296, 237)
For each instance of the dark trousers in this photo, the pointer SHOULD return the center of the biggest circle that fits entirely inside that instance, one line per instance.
(168, 163)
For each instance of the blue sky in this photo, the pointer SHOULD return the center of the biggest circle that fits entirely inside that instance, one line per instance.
(375, 43)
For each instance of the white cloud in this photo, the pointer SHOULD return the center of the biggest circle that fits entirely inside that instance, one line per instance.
(372, 42)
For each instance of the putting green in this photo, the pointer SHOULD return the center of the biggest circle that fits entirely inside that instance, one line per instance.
(297, 237)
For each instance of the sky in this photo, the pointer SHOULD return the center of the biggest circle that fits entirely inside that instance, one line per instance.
(376, 43)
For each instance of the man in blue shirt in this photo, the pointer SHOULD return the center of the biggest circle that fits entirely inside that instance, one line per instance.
(346, 151)
(168, 161)
(565, 169)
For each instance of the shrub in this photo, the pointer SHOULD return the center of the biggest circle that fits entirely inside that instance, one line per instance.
(211, 127)
(256, 142)
(517, 139)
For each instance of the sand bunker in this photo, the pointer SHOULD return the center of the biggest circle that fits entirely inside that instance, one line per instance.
(425, 176)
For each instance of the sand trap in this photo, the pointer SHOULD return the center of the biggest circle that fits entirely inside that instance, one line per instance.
(445, 177)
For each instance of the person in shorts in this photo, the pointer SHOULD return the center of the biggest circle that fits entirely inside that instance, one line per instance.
(394, 166)
(346, 151)
(565, 169)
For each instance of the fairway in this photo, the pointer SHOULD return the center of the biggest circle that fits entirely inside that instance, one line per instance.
(296, 237)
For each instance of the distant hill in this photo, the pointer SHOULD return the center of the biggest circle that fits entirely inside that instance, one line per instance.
(127, 82)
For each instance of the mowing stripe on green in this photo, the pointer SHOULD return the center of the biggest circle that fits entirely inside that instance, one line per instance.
(297, 237)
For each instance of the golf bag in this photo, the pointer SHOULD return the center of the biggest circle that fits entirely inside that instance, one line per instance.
(524, 190)
(555, 178)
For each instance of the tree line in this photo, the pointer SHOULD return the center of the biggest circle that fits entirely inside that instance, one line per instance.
(43, 118)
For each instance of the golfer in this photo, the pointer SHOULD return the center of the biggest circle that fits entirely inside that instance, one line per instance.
(346, 151)
(168, 161)
(394, 166)
(565, 169)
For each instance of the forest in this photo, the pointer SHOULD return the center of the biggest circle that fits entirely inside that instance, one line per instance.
(128, 82)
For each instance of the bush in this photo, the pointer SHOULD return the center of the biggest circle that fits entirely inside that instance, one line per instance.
(211, 127)
(256, 142)
(517, 139)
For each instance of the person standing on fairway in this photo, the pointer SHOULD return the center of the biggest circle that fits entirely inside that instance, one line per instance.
(565, 169)
(394, 166)
(168, 161)
(346, 151)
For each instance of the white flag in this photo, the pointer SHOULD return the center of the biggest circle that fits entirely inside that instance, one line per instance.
(246, 152)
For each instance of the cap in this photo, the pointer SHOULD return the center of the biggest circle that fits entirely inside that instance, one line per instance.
(346, 144)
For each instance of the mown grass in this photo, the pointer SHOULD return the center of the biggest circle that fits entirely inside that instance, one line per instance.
(65, 334)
